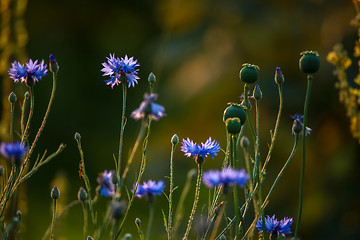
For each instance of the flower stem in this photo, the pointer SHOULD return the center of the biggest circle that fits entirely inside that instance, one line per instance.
(235, 190)
(169, 230)
(85, 219)
(31, 111)
(122, 127)
(302, 174)
(196, 200)
(151, 218)
(53, 221)
(12, 122)
(246, 88)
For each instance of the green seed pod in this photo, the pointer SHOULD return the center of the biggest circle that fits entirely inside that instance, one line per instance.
(151, 78)
(12, 97)
(235, 111)
(174, 139)
(309, 62)
(233, 125)
(249, 73)
(82, 195)
(55, 193)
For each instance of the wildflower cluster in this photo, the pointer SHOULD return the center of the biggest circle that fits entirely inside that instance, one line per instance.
(272, 225)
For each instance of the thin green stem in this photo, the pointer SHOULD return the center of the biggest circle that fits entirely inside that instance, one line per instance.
(169, 230)
(53, 221)
(196, 200)
(85, 214)
(235, 190)
(276, 129)
(151, 218)
(281, 172)
(246, 89)
(12, 122)
(31, 111)
(306, 107)
(122, 127)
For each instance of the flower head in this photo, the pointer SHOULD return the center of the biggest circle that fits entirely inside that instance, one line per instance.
(106, 187)
(190, 148)
(150, 188)
(120, 70)
(29, 73)
(272, 225)
(149, 108)
(14, 150)
(298, 125)
(225, 177)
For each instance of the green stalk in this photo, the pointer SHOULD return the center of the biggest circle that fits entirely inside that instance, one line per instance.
(85, 219)
(235, 190)
(53, 221)
(31, 111)
(281, 172)
(23, 107)
(12, 122)
(306, 107)
(151, 218)
(122, 127)
(196, 200)
(169, 230)
(246, 89)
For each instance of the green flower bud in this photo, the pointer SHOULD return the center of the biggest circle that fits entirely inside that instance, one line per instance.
(309, 62)
(27, 95)
(244, 142)
(249, 73)
(235, 111)
(55, 193)
(114, 178)
(233, 125)
(174, 139)
(12, 97)
(222, 237)
(82, 195)
(257, 94)
(118, 209)
(151, 78)
(279, 77)
(77, 136)
(127, 236)
(89, 238)
(19, 214)
(297, 127)
(138, 222)
(54, 66)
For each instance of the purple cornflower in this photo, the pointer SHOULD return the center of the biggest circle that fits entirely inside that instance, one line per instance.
(149, 108)
(120, 70)
(272, 225)
(149, 189)
(29, 73)
(199, 152)
(106, 187)
(14, 150)
(298, 125)
(225, 177)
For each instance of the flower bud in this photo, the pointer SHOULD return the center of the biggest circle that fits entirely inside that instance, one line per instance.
(233, 125)
(257, 94)
(55, 193)
(12, 97)
(244, 142)
(279, 77)
(89, 238)
(235, 111)
(77, 136)
(222, 237)
(27, 95)
(118, 209)
(82, 195)
(174, 139)
(138, 222)
(309, 62)
(114, 178)
(1, 171)
(151, 78)
(54, 66)
(297, 127)
(127, 236)
(19, 214)
(249, 73)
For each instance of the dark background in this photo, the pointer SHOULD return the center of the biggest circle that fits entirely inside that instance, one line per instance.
(195, 49)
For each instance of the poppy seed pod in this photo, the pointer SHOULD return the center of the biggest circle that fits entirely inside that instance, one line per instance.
(235, 111)
(233, 125)
(309, 62)
(249, 73)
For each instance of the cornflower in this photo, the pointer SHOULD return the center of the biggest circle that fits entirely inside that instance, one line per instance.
(29, 73)
(149, 108)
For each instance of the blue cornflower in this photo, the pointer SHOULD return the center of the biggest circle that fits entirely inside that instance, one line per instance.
(149, 108)
(298, 125)
(272, 225)
(29, 73)
(226, 177)
(13, 150)
(120, 70)
(210, 147)
(106, 187)
(149, 189)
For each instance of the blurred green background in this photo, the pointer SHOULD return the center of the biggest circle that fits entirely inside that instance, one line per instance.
(195, 49)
